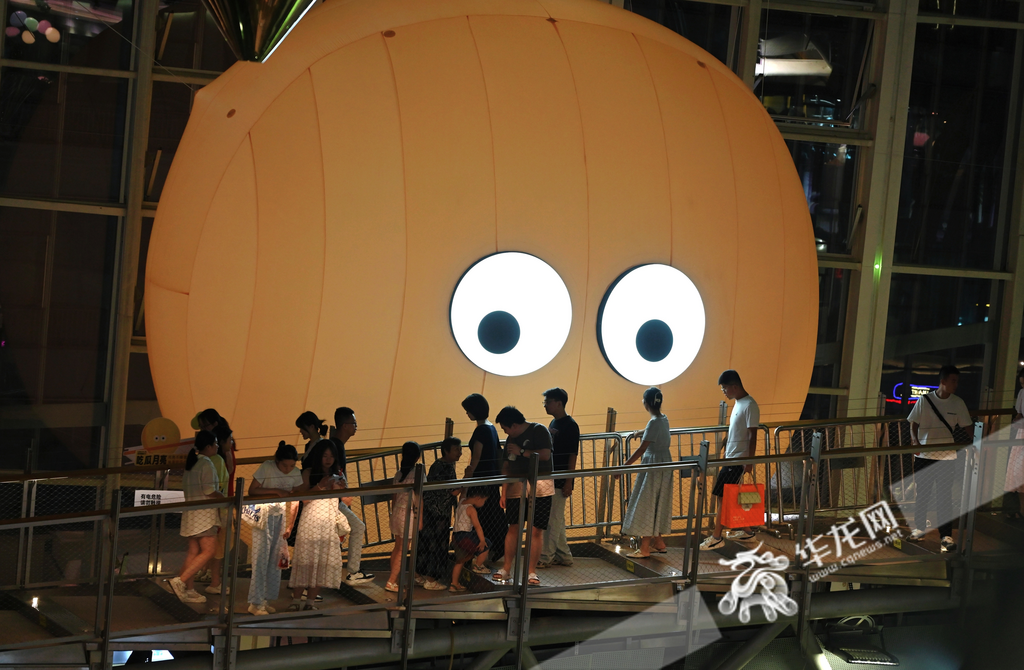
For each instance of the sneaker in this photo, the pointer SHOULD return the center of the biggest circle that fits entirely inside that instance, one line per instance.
(420, 580)
(433, 585)
(257, 610)
(294, 607)
(481, 569)
(567, 562)
(544, 565)
(193, 596)
(712, 542)
(215, 590)
(948, 544)
(270, 610)
(319, 598)
(354, 578)
(740, 535)
(178, 587)
(917, 535)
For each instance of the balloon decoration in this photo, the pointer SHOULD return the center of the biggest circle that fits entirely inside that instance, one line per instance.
(26, 26)
(253, 29)
(406, 187)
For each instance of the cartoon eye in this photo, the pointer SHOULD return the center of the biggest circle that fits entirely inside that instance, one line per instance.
(510, 313)
(651, 324)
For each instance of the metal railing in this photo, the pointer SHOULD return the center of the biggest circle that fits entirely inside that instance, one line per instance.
(116, 533)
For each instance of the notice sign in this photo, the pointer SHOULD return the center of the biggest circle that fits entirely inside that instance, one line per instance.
(144, 498)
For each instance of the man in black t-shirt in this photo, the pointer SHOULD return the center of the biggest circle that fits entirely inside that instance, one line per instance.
(565, 436)
(345, 428)
(524, 440)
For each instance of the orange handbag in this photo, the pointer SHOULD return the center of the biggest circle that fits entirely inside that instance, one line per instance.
(743, 504)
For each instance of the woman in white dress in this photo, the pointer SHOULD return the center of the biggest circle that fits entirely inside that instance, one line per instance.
(198, 525)
(317, 559)
(1014, 484)
(276, 477)
(649, 513)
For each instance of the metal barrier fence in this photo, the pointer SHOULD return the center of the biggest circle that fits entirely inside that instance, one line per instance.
(120, 543)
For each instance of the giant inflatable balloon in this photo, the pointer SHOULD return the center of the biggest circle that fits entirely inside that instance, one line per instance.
(414, 200)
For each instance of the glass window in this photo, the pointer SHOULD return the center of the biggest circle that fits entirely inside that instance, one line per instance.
(172, 103)
(935, 321)
(97, 33)
(956, 133)
(1007, 10)
(187, 37)
(711, 27)
(810, 66)
(828, 173)
(61, 135)
(56, 274)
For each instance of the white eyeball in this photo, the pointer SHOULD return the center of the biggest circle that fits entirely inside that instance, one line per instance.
(651, 324)
(510, 313)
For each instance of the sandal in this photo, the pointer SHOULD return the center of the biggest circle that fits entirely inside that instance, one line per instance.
(456, 588)
(479, 569)
(500, 576)
(637, 554)
(392, 587)
(533, 579)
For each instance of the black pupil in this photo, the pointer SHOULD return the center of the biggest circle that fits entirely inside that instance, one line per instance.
(498, 332)
(654, 340)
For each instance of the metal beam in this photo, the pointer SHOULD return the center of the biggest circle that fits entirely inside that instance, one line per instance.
(961, 20)
(935, 271)
(487, 659)
(131, 238)
(71, 69)
(750, 26)
(111, 209)
(879, 181)
(752, 647)
(797, 131)
(483, 637)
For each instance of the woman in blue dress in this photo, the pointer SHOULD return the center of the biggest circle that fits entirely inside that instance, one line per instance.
(649, 513)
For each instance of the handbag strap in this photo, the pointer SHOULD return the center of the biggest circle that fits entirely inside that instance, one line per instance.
(939, 414)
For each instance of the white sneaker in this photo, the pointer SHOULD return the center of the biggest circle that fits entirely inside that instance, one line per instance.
(917, 535)
(354, 578)
(193, 596)
(257, 610)
(433, 585)
(178, 587)
(216, 590)
(740, 535)
(712, 542)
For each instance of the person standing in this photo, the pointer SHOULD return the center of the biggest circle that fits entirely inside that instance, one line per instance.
(1013, 502)
(404, 511)
(485, 460)
(740, 442)
(274, 478)
(524, 440)
(345, 427)
(200, 526)
(317, 559)
(649, 514)
(565, 449)
(932, 421)
(432, 551)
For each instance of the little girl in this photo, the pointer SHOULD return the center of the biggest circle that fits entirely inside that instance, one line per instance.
(468, 539)
(405, 475)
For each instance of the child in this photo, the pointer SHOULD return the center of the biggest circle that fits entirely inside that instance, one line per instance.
(405, 475)
(468, 539)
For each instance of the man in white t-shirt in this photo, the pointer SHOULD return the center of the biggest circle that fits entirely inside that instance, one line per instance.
(935, 472)
(740, 442)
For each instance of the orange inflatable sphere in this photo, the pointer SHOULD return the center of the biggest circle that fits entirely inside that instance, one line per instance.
(323, 207)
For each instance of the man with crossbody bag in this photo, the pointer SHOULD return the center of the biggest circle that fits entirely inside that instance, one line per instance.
(940, 417)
